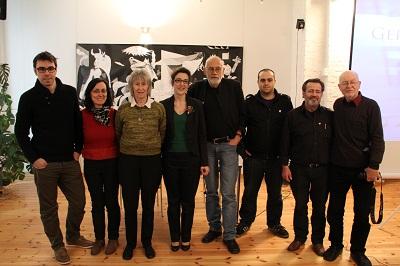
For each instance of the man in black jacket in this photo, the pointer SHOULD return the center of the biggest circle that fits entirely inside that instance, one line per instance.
(223, 108)
(264, 116)
(306, 142)
(51, 111)
(357, 151)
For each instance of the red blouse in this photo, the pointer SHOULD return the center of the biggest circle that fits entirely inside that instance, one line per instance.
(99, 141)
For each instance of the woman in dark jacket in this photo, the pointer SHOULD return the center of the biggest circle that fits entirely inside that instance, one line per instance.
(184, 158)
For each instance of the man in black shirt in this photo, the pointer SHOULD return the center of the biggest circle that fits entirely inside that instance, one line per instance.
(264, 116)
(357, 151)
(223, 109)
(306, 141)
(50, 109)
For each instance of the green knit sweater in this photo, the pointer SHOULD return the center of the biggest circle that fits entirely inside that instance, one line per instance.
(140, 130)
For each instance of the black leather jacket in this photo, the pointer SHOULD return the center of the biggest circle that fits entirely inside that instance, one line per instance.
(264, 125)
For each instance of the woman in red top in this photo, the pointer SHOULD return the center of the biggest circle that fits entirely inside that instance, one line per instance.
(100, 163)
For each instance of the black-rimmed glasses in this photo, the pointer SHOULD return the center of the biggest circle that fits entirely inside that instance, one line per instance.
(49, 69)
(183, 81)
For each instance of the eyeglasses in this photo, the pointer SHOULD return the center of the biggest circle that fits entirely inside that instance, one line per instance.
(347, 83)
(183, 81)
(49, 69)
(212, 69)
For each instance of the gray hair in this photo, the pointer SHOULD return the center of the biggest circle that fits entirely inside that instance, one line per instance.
(140, 74)
(215, 57)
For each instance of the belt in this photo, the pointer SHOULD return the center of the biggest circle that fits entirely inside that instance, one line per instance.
(314, 165)
(220, 140)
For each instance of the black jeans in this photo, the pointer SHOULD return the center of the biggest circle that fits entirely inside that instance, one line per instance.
(139, 174)
(68, 177)
(309, 183)
(340, 181)
(181, 178)
(102, 181)
(255, 170)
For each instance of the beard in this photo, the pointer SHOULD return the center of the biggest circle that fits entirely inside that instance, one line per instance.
(312, 102)
(214, 82)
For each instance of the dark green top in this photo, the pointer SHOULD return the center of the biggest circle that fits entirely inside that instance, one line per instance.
(178, 142)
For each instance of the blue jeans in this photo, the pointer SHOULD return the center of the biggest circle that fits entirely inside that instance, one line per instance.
(224, 156)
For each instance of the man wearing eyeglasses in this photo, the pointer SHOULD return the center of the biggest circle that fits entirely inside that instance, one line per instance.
(50, 110)
(357, 151)
(223, 108)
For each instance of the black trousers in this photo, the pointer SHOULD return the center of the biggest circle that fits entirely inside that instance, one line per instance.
(255, 170)
(139, 174)
(181, 178)
(340, 181)
(309, 183)
(102, 181)
(68, 177)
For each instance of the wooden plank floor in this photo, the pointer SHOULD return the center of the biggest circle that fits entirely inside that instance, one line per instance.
(23, 242)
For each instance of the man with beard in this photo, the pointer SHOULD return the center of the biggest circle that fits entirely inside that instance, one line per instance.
(223, 108)
(306, 141)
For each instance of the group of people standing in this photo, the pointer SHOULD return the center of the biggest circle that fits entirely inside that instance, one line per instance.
(199, 130)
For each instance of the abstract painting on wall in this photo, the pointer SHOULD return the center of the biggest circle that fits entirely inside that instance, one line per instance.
(115, 62)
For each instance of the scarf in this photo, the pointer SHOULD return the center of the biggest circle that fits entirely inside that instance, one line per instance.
(101, 115)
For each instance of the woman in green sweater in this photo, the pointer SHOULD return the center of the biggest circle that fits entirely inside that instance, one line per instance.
(140, 129)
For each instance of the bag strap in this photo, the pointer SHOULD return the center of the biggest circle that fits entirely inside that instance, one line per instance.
(372, 207)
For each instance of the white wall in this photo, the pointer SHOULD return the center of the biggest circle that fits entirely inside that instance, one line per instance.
(266, 30)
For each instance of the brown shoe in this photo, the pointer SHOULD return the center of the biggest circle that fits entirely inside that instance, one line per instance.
(61, 256)
(97, 247)
(318, 249)
(80, 242)
(111, 247)
(295, 245)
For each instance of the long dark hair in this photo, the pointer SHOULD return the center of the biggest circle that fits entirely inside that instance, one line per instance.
(88, 103)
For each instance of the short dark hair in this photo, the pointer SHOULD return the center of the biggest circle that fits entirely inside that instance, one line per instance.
(264, 70)
(180, 70)
(315, 80)
(44, 56)
(88, 102)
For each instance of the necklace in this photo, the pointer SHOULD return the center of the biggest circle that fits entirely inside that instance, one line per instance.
(140, 118)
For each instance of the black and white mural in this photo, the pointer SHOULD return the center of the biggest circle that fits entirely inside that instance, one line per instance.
(115, 62)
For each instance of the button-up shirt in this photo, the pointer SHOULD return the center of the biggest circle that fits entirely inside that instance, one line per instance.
(306, 136)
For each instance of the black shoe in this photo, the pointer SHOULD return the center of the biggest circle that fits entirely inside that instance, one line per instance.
(149, 252)
(174, 246)
(332, 253)
(128, 252)
(211, 236)
(360, 259)
(242, 228)
(279, 230)
(232, 246)
(185, 246)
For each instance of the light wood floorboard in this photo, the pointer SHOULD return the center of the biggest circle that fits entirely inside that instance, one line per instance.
(23, 242)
